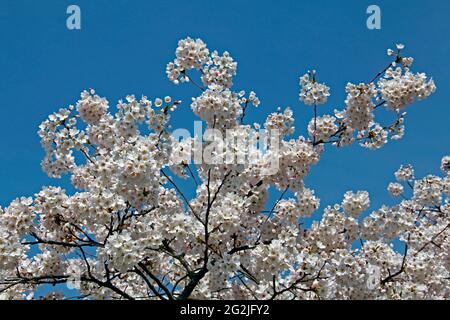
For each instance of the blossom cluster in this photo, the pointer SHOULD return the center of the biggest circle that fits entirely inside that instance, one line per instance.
(400, 88)
(395, 87)
(217, 70)
(313, 92)
(131, 230)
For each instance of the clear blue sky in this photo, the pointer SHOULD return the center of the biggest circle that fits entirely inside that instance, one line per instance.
(123, 48)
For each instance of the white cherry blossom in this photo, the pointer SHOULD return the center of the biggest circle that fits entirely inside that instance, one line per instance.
(131, 230)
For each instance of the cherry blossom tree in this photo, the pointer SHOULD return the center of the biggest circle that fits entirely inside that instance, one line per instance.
(131, 231)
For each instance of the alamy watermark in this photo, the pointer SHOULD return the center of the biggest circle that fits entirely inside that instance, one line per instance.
(373, 279)
(239, 146)
(74, 279)
(73, 21)
(374, 20)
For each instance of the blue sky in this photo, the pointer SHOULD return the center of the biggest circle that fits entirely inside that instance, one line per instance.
(123, 48)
